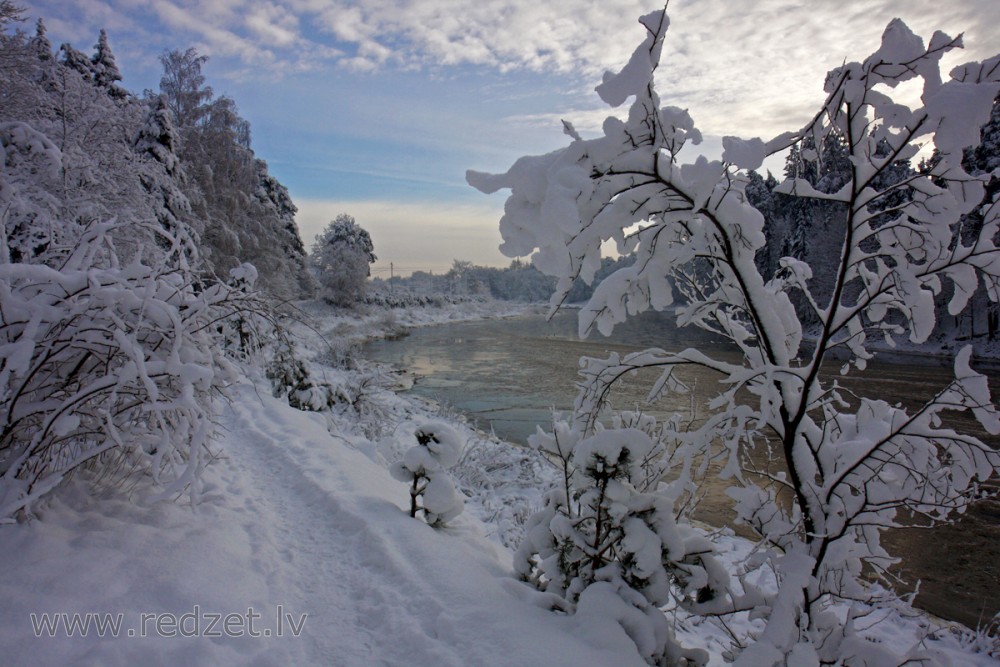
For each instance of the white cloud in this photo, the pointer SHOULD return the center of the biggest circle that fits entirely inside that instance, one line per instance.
(273, 24)
(424, 236)
(741, 68)
(217, 40)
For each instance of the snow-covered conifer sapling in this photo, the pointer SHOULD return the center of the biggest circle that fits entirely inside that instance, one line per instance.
(425, 468)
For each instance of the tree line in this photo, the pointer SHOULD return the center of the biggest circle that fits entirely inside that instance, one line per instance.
(180, 156)
(144, 248)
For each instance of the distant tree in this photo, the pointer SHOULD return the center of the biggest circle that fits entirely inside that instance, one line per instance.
(9, 12)
(105, 68)
(41, 42)
(983, 159)
(247, 214)
(341, 257)
(183, 86)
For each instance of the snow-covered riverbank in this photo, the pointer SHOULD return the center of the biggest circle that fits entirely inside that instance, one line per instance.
(302, 529)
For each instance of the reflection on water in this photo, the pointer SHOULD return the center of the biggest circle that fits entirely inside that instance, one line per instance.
(509, 375)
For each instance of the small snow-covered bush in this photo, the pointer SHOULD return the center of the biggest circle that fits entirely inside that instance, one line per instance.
(598, 530)
(107, 365)
(290, 377)
(424, 467)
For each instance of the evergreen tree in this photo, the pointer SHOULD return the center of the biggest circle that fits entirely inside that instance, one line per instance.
(40, 43)
(274, 197)
(76, 60)
(105, 68)
(162, 174)
(9, 12)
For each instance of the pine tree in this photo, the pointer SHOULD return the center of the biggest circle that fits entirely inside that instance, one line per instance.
(76, 61)
(105, 68)
(424, 467)
(163, 177)
(9, 12)
(40, 42)
(274, 197)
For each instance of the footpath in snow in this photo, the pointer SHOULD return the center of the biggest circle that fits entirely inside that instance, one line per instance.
(301, 553)
(299, 521)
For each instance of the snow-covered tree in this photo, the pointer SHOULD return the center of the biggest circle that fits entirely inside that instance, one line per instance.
(289, 275)
(76, 60)
(107, 364)
(183, 86)
(341, 257)
(601, 527)
(106, 73)
(40, 42)
(162, 174)
(247, 214)
(425, 468)
(845, 466)
(9, 12)
(97, 175)
(111, 337)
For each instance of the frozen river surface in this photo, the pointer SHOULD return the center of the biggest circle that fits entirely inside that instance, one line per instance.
(509, 375)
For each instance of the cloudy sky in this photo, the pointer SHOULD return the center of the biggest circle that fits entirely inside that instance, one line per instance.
(377, 107)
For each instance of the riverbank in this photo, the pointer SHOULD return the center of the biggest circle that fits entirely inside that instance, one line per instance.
(509, 375)
(302, 541)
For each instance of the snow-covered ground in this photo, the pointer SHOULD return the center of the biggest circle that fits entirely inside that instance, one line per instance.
(302, 529)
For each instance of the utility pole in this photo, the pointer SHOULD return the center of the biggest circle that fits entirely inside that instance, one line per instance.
(390, 277)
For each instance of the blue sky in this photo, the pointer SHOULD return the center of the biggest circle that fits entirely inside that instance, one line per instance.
(377, 107)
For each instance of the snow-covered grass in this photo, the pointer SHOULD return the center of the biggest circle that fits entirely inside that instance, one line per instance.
(300, 517)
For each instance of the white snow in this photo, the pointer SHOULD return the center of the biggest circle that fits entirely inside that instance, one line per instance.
(299, 510)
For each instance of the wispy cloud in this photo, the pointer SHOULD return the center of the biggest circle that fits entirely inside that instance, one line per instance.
(741, 68)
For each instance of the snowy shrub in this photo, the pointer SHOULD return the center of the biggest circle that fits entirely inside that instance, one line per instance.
(506, 482)
(819, 472)
(114, 366)
(424, 467)
(597, 529)
(246, 332)
(290, 378)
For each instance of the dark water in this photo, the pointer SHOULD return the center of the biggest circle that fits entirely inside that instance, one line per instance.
(510, 375)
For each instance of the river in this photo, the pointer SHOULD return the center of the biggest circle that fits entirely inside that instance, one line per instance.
(509, 375)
